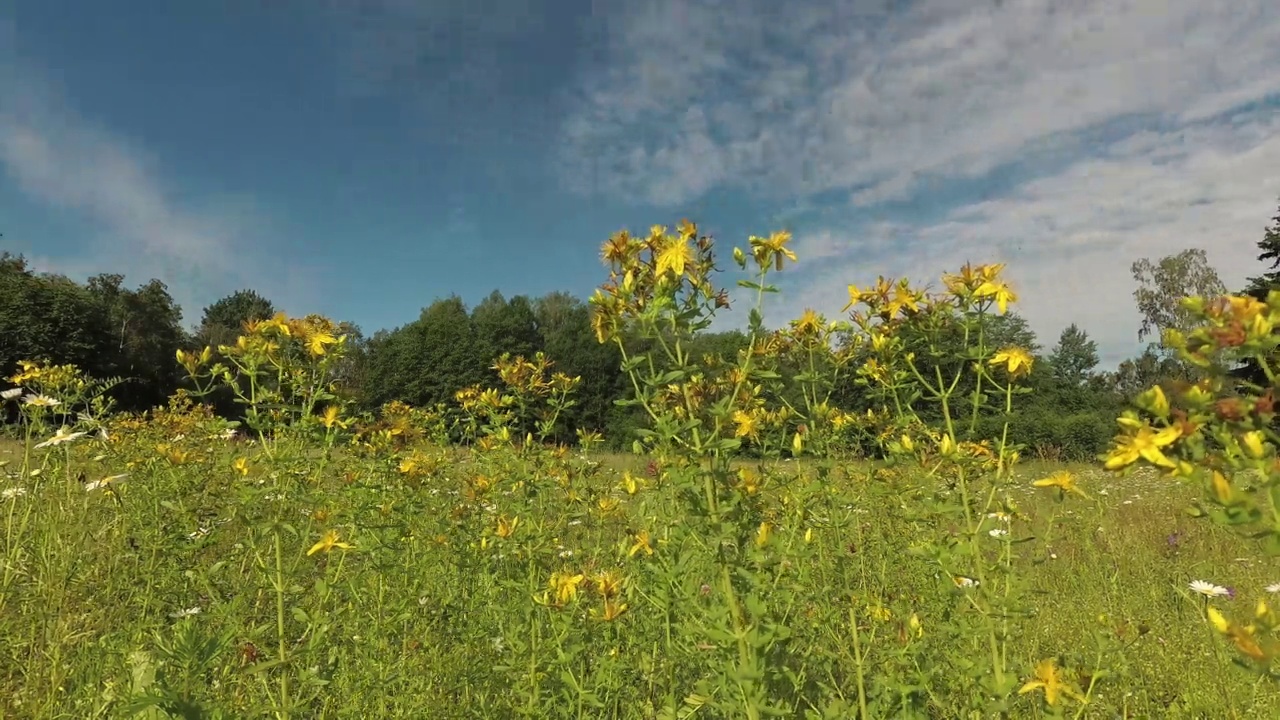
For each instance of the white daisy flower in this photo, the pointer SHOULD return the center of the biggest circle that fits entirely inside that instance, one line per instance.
(10, 394)
(104, 482)
(12, 492)
(40, 401)
(1208, 589)
(64, 435)
(997, 532)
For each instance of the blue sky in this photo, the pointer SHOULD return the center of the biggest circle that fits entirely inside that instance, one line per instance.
(362, 158)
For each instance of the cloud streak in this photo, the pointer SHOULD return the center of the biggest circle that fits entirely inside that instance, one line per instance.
(65, 161)
(1131, 129)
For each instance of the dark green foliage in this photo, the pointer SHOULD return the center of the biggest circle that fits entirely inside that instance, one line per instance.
(49, 317)
(428, 360)
(145, 328)
(223, 320)
(564, 322)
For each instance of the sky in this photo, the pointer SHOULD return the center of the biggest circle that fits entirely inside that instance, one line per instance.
(362, 158)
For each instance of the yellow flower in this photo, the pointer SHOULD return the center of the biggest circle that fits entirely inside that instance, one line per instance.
(1063, 480)
(1144, 444)
(328, 541)
(763, 534)
(608, 583)
(748, 424)
(1221, 488)
(674, 257)
(642, 544)
(775, 246)
(241, 465)
(507, 526)
(565, 585)
(316, 343)
(1154, 401)
(1016, 360)
(997, 291)
(1049, 679)
(1253, 444)
(612, 610)
(330, 418)
(607, 505)
(1217, 620)
(629, 483)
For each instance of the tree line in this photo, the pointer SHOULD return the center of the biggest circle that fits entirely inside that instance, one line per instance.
(111, 330)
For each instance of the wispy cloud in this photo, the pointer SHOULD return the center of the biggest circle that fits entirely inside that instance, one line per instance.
(64, 160)
(1133, 128)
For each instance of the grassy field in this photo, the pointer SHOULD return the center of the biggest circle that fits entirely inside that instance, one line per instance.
(191, 582)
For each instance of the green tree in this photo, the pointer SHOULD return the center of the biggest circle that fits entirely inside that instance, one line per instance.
(145, 328)
(426, 361)
(1075, 357)
(564, 323)
(1259, 286)
(505, 326)
(50, 317)
(223, 320)
(1162, 286)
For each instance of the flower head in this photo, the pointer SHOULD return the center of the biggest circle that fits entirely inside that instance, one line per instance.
(1048, 677)
(328, 541)
(1208, 589)
(64, 435)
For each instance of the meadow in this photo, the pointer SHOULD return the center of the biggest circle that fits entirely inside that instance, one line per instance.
(308, 562)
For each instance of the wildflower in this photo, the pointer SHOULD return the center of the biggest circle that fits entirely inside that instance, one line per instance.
(763, 534)
(104, 483)
(331, 419)
(317, 343)
(1208, 589)
(1048, 677)
(10, 394)
(64, 435)
(241, 465)
(608, 583)
(674, 257)
(999, 292)
(185, 613)
(1063, 480)
(507, 526)
(12, 492)
(1015, 360)
(748, 425)
(612, 610)
(964, 582)
(642, 544)
(565, 585)
(629, 484)
(1144, 444)
(40, 401)
(1273, 588)
(328, 542)
(1253, 444)
(997, 532)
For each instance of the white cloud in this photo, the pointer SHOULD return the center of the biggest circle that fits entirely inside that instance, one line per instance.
(67, 162)
(1122, 107)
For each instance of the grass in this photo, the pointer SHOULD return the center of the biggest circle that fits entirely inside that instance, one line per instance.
(192, 583)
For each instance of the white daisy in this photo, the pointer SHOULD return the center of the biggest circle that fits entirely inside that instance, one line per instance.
(1208, 589)
(10, 394)
(40, 401)
(104, 482)
(64, 435)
